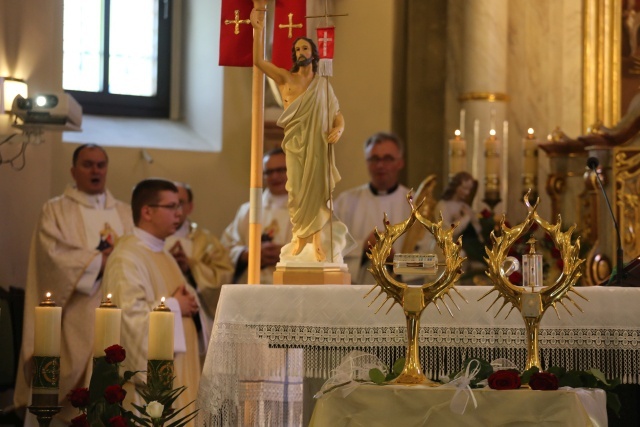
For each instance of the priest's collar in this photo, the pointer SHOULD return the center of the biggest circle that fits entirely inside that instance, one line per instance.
(149, 240)
(383, 192)
(95, 201)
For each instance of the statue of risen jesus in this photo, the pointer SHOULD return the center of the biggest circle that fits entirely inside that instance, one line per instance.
(311, 121)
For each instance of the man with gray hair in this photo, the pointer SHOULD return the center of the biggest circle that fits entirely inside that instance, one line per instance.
(362, 208)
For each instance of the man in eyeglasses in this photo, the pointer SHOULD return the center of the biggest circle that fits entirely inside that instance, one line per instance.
(139, 273)
(204, 262)
(276, 226)
(362, 208)
(70, 246)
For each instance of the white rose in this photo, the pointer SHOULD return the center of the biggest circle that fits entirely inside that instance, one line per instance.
(154, 409)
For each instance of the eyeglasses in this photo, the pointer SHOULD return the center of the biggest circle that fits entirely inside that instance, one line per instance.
(172, 207)
(386, 160)
(269, 172)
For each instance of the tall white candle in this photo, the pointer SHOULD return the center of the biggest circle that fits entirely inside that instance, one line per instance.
(530, 153)
(457, 154)
(475, 163)
(492, 162)
(107, 327)
(48, 321)
(462, 120)
(160, 333)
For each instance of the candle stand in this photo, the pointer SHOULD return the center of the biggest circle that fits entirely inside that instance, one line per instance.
(44, 413)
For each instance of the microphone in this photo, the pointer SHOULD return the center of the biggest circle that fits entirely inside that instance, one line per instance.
(592, 163)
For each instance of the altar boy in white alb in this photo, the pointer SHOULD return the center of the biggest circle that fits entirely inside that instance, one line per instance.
(70, 246)
(140, 272)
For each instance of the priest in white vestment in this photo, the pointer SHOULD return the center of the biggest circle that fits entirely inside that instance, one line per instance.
(72, 241)
(276, 226)
(139, 273)
(203, 260)
(362, 208)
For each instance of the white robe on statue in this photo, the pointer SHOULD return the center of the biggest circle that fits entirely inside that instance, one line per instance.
(275, 223)
(63, 260)
(139, 273)
(311, 171)
(361, 210)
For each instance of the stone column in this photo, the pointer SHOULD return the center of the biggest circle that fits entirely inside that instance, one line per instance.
(484, 85)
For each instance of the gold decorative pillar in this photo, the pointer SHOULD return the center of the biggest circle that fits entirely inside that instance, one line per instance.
(484, 86)
(601, 62)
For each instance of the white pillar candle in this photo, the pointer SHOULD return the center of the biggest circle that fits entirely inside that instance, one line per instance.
(48, 321)
(107, 327)
(160, 333)
(492, 162)
(457, 154)
(530, 160)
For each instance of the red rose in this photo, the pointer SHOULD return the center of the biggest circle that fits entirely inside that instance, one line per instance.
(115, 354)
(505, 379)
(486, 213)
(118, 421)
(79, 397)
(114, 394)
(543, 381)
(80, 421)
(515, 278)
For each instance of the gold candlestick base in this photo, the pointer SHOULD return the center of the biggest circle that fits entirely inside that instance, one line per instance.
(44, 413)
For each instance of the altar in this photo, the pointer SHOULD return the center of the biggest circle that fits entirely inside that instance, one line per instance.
(269, 341)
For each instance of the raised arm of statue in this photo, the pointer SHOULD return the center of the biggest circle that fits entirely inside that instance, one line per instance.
(279, 75)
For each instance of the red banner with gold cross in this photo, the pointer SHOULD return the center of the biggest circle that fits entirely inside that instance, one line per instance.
(289, 24)
(236, 34)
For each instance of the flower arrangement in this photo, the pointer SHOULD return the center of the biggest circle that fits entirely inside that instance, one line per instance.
(101, 403)
(551, 379)
(511, 379)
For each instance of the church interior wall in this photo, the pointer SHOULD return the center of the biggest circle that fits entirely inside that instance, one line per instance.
(31, 49)
(371, 69)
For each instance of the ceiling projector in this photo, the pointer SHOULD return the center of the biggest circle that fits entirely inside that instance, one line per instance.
(58, 111)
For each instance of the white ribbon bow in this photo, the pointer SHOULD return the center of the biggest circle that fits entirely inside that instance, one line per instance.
(461, 382)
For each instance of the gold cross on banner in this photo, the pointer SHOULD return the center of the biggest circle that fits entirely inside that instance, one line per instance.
(291, 25)
(237, 21)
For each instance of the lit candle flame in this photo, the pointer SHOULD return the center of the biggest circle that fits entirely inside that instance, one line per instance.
(457, 132)
(162, 300)
(48, 295)
(530, 131)
(492, 132)
(108, 296)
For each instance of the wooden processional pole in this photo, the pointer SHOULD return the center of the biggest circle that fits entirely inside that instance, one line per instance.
(255, 181)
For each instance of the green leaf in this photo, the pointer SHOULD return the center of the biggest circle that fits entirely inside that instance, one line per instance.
(558, 371)
(526, 375)
(398, 366)
(571, 379)
(376, 376)
(599, 376)
(613, 402)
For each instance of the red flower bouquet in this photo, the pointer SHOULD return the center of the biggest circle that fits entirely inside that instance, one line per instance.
(543, 381)
(507, 379)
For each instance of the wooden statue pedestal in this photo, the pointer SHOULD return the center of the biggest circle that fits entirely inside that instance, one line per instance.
(311, 273)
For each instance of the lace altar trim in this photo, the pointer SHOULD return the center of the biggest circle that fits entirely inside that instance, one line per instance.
(255, 373)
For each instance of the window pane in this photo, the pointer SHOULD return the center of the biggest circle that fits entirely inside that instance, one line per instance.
(82, 45)
(133, 59)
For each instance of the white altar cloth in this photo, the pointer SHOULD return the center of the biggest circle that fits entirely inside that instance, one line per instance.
(255, 326)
